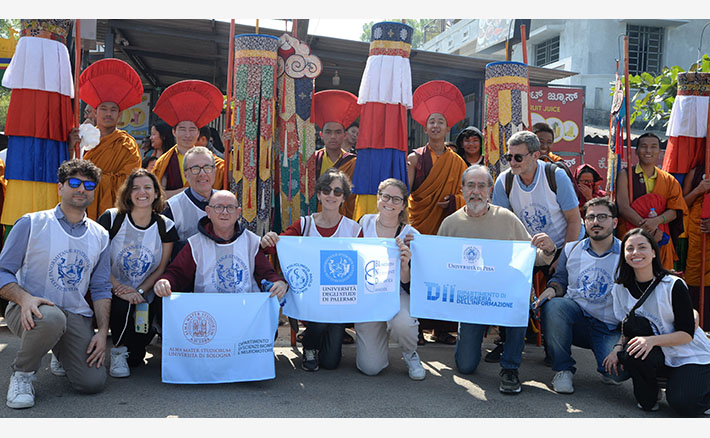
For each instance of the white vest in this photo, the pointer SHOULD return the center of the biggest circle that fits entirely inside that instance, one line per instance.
(658, 309)
(590, 280)
(369, 227)
(135, 253)
(346, 228)
(538, 209)
(225, 267)
(58, 266)
(185, 214)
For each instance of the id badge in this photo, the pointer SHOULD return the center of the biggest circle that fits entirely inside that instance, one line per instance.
(141, 318)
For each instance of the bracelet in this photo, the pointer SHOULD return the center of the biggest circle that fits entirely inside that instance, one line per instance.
(618, 345)
(664, 219)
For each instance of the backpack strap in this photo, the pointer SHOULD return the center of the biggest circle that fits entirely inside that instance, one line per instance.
(116, 225)
(161, 226)
(508, 183)
(550, 174)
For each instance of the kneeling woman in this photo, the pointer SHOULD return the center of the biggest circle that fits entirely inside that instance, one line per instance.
(676, 349)
(141, 243)
(372, 337)
(322, 341)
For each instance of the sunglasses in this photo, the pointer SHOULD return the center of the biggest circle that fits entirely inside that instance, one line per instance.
(516, 157)
(76, 182)
(336, 191)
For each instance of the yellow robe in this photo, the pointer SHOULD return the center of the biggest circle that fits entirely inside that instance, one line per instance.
(116, 155)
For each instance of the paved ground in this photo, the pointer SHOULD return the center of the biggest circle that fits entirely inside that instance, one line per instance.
(343, 393)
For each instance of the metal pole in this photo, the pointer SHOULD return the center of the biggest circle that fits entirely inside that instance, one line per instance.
(77, 72)
(629, 171)
(230, 80)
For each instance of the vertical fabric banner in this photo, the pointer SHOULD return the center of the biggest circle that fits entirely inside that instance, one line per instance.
(340, 280)
(218, 338)
(477, 281)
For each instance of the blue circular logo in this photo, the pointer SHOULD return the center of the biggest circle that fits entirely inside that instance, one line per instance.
(535, 217)
(68, 268)
(595, 284)
(135, 261)
(339, 267)
(471, 254)
(230, 274)
(299, 278)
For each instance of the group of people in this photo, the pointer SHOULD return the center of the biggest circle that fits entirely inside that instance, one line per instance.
(122, 237)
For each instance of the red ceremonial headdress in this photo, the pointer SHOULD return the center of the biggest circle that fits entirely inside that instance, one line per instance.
(335, 106)
(110, 80)
(438, 97)
(196, 101)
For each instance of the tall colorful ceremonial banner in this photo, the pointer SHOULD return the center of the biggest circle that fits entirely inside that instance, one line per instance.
(616, 136)
(385, 95)
(687, 127)
(295, 141)
(253, 155)
(478, 281)
(219, 338)
(562, 108)
(39, 117)
(340, 280)
(506, 109)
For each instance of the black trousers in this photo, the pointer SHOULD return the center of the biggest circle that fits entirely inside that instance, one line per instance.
(687, 390)
(327, 339)
(123, 328)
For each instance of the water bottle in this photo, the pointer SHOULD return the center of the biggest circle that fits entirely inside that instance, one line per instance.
(652, 213)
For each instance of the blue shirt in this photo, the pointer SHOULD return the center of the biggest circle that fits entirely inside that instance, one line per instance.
(13, 254)
(561, 276)
(566, 195)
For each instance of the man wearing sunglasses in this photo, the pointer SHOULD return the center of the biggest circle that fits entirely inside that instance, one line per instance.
(576, 307)
(222, 257)
(537, 205)
(50, 260)
(188, 207)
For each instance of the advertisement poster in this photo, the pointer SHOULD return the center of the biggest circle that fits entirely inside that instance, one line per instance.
(563, 109)
(134, 120)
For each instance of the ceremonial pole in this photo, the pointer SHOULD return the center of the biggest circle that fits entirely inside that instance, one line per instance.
(524, 43)
(230, 82)
(627, 118)
(77, 71)
(702, 260)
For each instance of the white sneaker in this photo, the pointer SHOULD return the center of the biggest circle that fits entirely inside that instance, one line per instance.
(416, 370)
(56, 367)
(608, 380)
(119, 365)
(21, 393)
(562, 382)
(707, 412)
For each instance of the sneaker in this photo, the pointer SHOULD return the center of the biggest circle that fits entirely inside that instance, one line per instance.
(653, 409)
(21, 393)
(56, 367)
(416, 370)
(707, 412)
(608, 380)
(562, 382)
(494, 355)
(119, 365)
(310, 360)
(509, 382)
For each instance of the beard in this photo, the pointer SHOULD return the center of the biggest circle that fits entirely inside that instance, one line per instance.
(477, 207)
(601, 236)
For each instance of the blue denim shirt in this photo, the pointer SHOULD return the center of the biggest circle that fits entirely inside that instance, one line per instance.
(561, 277)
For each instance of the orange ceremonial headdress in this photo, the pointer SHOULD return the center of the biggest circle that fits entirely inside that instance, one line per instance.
(196, 101)
(335, 106)
(438, 97)
(110, 80)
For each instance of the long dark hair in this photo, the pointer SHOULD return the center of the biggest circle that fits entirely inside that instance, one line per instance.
(166, 134)
(624, 273)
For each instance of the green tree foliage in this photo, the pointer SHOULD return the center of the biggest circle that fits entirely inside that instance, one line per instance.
(654, 95)
(5, 26)
(424, 30)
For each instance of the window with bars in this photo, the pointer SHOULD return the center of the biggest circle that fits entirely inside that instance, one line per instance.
(547, 51)
(645, 49)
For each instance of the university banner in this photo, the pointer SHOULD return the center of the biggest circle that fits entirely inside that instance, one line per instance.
(339, 279)
(218, 338)
(477, 281)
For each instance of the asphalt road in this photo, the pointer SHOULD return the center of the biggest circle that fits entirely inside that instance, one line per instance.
(342, 393)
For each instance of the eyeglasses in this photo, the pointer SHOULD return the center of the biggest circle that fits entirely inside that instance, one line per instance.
(396, 200)
(207, 168)
(599, 217)
(479, 186)
(76, 182)
(517, 157)
(231, 209)
(336, 191)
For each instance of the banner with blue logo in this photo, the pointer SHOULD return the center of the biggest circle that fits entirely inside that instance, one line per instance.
(218, 338)
(340, 279)
(478, 281)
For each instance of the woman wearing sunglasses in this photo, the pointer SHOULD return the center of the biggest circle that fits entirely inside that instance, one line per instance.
(676, 348)
(141, 242)
(391, 221)
(322, 341)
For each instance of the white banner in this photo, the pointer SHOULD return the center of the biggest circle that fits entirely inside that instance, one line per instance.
(218, 338)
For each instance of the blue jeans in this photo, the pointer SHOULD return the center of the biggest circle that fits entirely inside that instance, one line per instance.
(468, 347)
(564, 324)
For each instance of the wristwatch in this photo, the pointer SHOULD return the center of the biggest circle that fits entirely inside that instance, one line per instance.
(140, 291)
